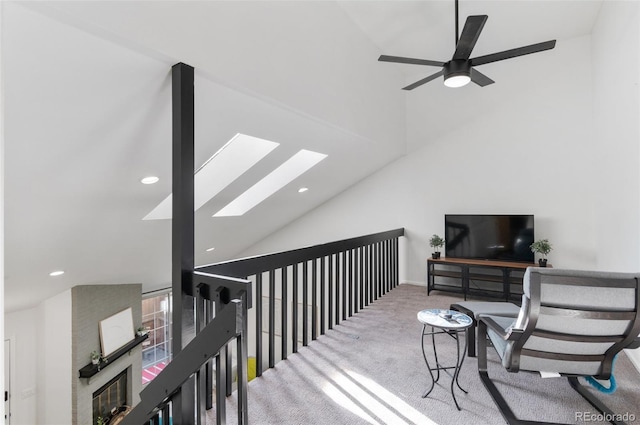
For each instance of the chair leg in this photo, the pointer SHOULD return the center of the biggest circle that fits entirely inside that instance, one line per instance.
(471, 332)
(595, 402)
(502, 404)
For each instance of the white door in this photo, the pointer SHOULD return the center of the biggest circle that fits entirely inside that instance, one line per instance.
(7, 381)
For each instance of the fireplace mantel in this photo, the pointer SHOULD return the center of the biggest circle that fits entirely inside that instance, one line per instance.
(93, 369)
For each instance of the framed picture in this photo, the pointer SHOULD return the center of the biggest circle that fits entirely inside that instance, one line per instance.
(116, 331)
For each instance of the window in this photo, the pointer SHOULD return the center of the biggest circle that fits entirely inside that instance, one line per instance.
(156, 351)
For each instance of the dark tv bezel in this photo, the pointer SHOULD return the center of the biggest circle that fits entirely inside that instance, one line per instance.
(532, 261)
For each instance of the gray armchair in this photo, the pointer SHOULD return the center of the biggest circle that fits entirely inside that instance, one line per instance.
(570, 322)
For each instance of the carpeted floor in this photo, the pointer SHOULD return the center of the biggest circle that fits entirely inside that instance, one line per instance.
(370, 370)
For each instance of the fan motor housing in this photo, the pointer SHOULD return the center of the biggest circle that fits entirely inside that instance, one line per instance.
(456, 67)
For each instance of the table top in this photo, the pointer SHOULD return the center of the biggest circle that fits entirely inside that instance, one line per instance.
(444, 319)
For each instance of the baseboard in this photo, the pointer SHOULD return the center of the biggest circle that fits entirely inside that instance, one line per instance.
(413, 282)
(634, 356)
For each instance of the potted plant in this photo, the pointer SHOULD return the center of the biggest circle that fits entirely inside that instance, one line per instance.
(101, 421)
(436, 242)
(142, 331)
(95, 357)
(542, 247)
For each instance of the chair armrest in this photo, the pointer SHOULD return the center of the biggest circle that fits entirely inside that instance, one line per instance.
(508, 334)
(634, 344)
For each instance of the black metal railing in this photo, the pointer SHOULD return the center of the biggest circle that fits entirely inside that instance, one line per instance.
(315, 288)
(319, 286)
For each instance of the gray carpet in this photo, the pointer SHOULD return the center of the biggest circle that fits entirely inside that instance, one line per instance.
(370, 370)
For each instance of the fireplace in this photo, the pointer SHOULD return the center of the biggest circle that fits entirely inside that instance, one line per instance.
(111, 398)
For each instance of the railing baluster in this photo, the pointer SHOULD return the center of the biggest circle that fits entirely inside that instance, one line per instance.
(396, 261)
(272, 314)
(367, 270)
(377, 270)
(284, 306)
(294, 310)
(337, 289)
(390, 263)
(351, 282)
(242, 368)
(314, 299)
(221, 385)
(209, 365)
(330, 300)
(345, 297)
(229, 369)
(258, 305)
(305, 302)
(322, 296)
(361, 275)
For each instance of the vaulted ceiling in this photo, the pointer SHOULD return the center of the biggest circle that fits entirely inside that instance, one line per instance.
(88, 114)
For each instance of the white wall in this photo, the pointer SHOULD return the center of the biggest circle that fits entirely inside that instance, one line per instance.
(41, 365)
(21, 327)
(616, 70)
(54, 360)
(2, 318)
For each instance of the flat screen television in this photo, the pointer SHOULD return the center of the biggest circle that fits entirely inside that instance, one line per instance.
(489, 237)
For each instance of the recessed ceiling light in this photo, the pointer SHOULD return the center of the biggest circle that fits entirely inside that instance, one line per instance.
(303, 189)
(210, 249)
(274, 181)
(231, 161)
(56, 273)
(150, 180)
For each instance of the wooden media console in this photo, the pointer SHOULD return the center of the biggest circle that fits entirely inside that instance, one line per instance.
(485, 278)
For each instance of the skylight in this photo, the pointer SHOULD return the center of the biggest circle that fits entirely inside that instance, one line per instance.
(237, 156)
(277, 179)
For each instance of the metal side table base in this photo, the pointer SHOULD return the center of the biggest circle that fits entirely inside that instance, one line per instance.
(451, 323)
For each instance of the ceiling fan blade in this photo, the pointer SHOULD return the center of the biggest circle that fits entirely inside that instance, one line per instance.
(469, 36)
(424, 80)
(480, 79)
(399, 59)
(508, 54)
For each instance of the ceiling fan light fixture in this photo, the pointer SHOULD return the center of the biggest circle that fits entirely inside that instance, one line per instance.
(455, 81)
(457, 73)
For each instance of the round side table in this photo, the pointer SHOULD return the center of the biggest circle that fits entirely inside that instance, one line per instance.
(448, 322)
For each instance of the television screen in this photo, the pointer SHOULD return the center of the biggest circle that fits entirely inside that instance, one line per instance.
(489, 237)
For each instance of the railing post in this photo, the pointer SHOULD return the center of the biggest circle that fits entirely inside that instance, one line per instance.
(182, 233)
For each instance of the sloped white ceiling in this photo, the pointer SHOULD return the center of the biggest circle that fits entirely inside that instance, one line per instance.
(88, 112)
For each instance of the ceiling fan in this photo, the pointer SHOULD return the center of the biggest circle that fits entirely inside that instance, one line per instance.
(460, 70)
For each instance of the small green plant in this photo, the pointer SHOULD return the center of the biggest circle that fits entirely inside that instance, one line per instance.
(542, 247)
(142, 330)
(100, 421)
(95, 356)
(436, 242)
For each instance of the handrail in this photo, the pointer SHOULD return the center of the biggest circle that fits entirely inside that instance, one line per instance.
(227, 325)
(261, 263)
